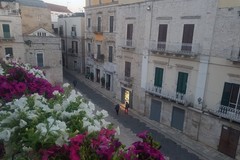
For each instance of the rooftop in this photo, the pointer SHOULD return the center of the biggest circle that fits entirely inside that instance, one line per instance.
(32, 3)
(57, 8)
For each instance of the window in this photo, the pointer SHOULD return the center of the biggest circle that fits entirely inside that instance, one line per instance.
(129, 34)
(182, 82)
(127, 69)
(98, 49)
(110, 55)
(63, 45)
(43, 34)
(231, 95)
(9, 51)
(74, 33)
(111, 24)
(99, 24)
(89, 47)
(74, 47)
(39, 58)
(6, 31)
(158, 77)
(187, 38)
(162, 36)
(89, 23)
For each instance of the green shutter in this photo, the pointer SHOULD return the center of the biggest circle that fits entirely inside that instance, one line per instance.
(6, 31)
(158, 77)
(226, 94)
(182, 82)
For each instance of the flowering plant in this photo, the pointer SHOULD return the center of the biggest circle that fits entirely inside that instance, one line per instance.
(19, 79)
(63, 126)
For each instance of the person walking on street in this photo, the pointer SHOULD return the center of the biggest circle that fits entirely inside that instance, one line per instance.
(117, 108)
(74, 83)
(126, 107)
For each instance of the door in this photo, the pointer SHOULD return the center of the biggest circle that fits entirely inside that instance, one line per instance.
(229, 141)
(126, 96)
(162, 36)
(178, 118)
(108, 82)
(155, 112)
(98, 75)
(187, 37)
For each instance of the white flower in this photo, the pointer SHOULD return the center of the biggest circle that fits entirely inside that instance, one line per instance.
(5, 135)
(86, 123)
(22, 102)
(65, 85)
(56, 92)
(91, 105)
(62, 139)
(27, 149)
(117, 130)
(93, 129)
(104, 113)
(1, 70)
(41, 127)
(22, 123)
(105, 124)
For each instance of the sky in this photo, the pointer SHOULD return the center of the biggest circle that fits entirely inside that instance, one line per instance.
(73, 5)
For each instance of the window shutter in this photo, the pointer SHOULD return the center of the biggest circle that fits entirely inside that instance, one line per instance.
(158, 77)
(6, 31)
(129, 31)
(111, 24)
(182, 82)
(226, 94)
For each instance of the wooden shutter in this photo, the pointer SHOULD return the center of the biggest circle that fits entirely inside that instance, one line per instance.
(110, 53)
(129, 31)
(99, 24)
(182, 82)
(6, 31)
(226, 94)
(158, 77)
(127, 69)
(162, 33)
(111, 24)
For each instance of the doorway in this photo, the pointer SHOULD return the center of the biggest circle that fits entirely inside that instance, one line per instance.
(126, 96)
(229, 141)
(108, 82)
(98, 75)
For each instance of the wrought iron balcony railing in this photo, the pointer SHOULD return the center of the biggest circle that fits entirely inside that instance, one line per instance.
(230, 113)
(186, 49)
(171, 95)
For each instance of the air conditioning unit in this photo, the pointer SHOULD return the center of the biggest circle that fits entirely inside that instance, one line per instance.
(73, 33)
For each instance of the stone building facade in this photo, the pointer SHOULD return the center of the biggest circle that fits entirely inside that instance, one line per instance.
(42, 46)
(11, 41)
(71, 30)
(100, 43)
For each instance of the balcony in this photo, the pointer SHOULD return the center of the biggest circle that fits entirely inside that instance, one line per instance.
(97, 29)
(170, 95)
(10, 12)
(175, 49)
(230, 113)
(127, 81)
(73, 34)
(127, 44)
(100, 57)
(235, 55)
(7, 39)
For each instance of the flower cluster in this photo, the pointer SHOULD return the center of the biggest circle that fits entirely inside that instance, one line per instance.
(17, 80)
(38, 121)
(34, 122)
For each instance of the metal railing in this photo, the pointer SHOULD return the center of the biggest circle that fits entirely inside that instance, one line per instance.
(189, 49)
(171, 95)
(126, 43)
(227, 112)
(127, 81)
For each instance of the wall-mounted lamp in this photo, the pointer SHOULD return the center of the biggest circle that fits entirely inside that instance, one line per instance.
(148, 8)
